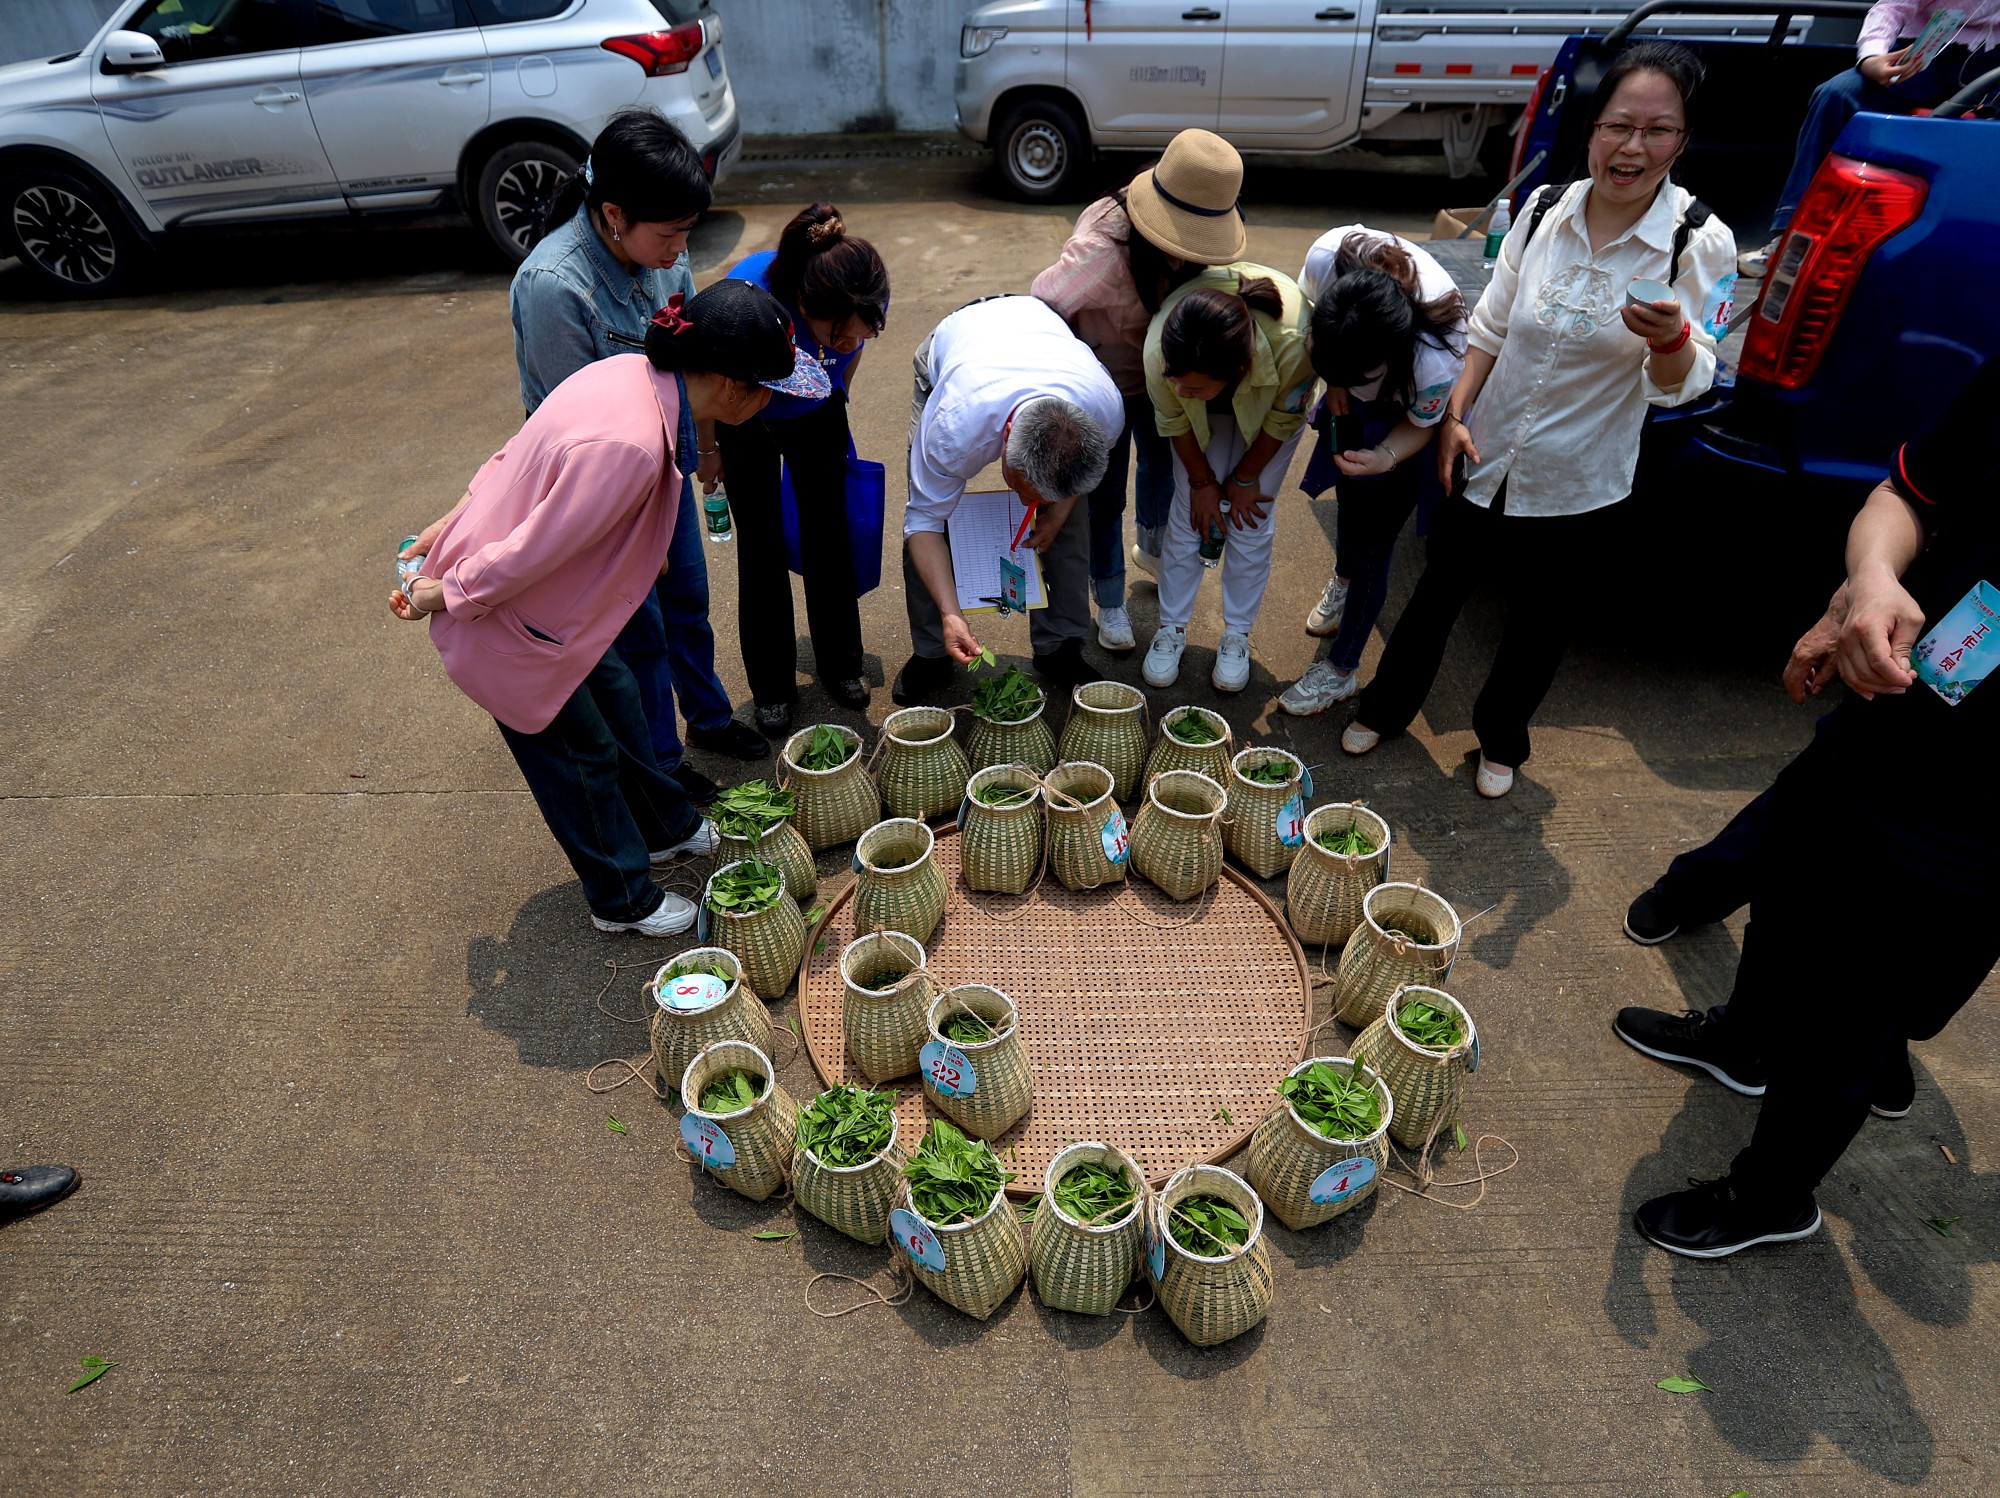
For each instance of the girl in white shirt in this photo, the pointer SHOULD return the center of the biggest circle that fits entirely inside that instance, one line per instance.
(1545, 419)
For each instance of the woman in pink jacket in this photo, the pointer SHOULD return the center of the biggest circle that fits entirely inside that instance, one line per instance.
(554, 547)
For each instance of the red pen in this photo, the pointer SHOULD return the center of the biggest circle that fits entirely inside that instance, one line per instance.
(1026, 521)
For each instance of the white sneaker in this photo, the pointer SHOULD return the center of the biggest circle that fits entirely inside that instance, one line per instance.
(699, 843)
(1325, 616)
(673, 917)
(1114, 630)
(1753, 264)
(1494, 781)
(1163, 657)
(1232, 662)
(1358, 740)
(1145, 561)
(1317, 690)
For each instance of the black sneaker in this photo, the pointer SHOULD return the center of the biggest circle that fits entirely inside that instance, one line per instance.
(922, 678)
(699, 788)
(1647, 921)
(1896, 1093)
(1692, 1039)
(774, 719)
(1713, 1220)
(1064, 667)
(737, 740)
(29, 1188)
(850, 691)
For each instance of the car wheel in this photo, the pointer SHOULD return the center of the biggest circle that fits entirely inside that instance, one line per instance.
(69, 232)
(1041, 150)
(515, 188)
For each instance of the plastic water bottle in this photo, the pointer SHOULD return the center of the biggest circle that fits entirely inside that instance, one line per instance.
(715, 520)
(407, 566)
(1213, 543)
(1496, 230)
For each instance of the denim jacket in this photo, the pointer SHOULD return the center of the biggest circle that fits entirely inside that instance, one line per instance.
(570, 295)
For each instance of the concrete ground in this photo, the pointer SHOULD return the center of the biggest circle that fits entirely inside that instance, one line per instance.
(294, 972)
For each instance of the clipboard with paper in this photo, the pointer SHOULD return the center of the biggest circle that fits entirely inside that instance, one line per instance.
(985, 564)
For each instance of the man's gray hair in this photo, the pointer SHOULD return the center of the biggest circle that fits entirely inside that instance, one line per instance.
(1058, 447)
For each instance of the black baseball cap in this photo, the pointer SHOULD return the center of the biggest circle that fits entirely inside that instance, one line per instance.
(737, 329)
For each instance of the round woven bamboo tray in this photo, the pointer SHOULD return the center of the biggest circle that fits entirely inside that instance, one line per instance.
(1105, 982)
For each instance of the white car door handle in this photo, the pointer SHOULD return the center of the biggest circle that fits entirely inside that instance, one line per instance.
(272, 98)
(460, 78)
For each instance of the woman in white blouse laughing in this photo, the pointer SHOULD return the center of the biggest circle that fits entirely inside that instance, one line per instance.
(1547, 414)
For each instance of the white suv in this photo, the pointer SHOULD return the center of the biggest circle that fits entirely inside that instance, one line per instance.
(199, 112)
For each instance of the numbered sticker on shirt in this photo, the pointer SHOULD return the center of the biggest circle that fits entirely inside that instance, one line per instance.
(1013, 586)
(1954, 658)
(691, 993)
(914, 1236)
(707, 1143)
(1429, 404)
(1341, 1180)
(948, 1069)
(1117, 841)
(1292, 822)
(1720, 307)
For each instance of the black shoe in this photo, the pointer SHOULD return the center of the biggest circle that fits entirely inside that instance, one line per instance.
(1647, 921)
(1714, 1220)
(1896, 1093)
(29, 1188)
(1692, 1039)
(700, 789)
(774, 719)
(922, 678)
(851, 692)
(734, 739)
(1064, 667)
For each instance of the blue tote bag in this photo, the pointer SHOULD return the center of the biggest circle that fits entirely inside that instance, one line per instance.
(867, 502)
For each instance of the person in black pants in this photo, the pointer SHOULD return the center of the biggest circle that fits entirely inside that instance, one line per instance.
(837, 290)
(1873, 891)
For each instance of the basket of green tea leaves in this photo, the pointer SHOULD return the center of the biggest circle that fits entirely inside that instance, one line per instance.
(1089, 843)
(1009, 726)
(1265, 826)
(955, 1225)
(1107, 726)
(848, 1168)
(1089, 1233)
(1408, 934)
(745, 909)
(754, 820)
(1424, 1046)
(739, 1122)
(884, 1013)
(1192, 738)
(699, 998)
(1207, 1254)
(1000, 829)
(974, 1068)
(920, 769)
(899, 885)
(836, 800)
(1177, 835)
(1346, 854)
(1321, 1150)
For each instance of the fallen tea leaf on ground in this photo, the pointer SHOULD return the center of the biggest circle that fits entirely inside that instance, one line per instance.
(776, 1237)
(612, 1123)
(1459, 1130)
(93, 1370)
(1941, 1226)
(1683, 1385)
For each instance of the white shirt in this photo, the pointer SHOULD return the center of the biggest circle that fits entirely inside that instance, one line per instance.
(1436, 366)
(1560, 416)
(986, 360)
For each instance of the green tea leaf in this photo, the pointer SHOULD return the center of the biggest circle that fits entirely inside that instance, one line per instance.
(1006, 698)
(819, 946)
(1688, 1385)
(751, 810)
(1941, 1226)
(94, 1369)
(1221, 1114)
(813, 915)
(611, 1123)
(986, 658)
(1271, 772)
(1459, 1130)
(746, 886)
(795, 1019)
(1208, 1226)
(775, 1237)
(847, 1126)
(1191, 727)
(1349, 842)
(1430, 1026)
(827, 748)
(1334, 1101)
(733, 1091)
(953, 1178)
(1740, 1493)
(1092, 1193)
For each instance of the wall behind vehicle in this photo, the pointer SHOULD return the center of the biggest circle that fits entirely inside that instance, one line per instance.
(842, 65)
(45, 28)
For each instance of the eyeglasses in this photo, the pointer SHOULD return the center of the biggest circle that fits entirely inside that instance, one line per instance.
(1654, 137)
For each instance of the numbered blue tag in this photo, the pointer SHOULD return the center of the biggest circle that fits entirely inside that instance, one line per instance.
(1720, 307)
(1292, 823)
(1472, 1056)
(1306, 783)
(1117, 841)
(1341, 1180)
(701, 924)
(914, 1236)
(963, 807)
(1963, 650)
(707, 1143)
(1156, 1252)
(1013, 586)
(948, 1069)
(857, 861)
(691, 993)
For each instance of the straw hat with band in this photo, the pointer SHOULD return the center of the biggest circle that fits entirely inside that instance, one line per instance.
(739, 330)
(1187, 205)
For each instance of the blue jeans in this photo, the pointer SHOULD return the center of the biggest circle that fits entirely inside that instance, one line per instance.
(1367, 521)
(1153, 497)
(592, 773)
(669, 645)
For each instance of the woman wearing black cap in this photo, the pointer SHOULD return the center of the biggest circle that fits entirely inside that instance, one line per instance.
(557, 541)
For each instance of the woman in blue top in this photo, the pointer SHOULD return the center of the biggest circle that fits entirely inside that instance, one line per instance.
(837, 290)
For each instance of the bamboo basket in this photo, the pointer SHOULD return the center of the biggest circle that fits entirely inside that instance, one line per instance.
(1306, 1178)
(1324, 892)
(1212, 1299)
(1374, 964)
(984, 1259)
(760, 1137)
(1001, 1078)
(1000, 847)
(885, 1027)
(782, 846)
(853, 1199)
(1080, 1266)
(1107, 726)
(1088, 842)
(833, 806)
(1266, 823)
(1173, 753)
(768, 943)
(900, 888)
(679, 1034)
(1176, 838)
(1012, 741)
(922, 770)
(1426, 1084)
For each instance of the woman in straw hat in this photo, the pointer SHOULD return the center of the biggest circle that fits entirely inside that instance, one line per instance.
(1127, 252)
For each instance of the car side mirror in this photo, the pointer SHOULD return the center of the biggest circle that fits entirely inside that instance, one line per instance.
(131, 52)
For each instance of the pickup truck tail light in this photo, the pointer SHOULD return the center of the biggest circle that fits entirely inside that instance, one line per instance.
(1848, 211)
(660, 53)
(1526, 127)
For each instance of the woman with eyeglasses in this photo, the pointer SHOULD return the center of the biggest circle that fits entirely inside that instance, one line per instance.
(1540, 435)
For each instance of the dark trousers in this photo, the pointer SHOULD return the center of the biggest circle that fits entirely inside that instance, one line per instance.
(1713, 881)
(1547, 568)
(1367, 520)
(593, 774)
(814, 446)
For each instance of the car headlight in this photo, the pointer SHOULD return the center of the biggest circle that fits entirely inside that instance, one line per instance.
(976, 41)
